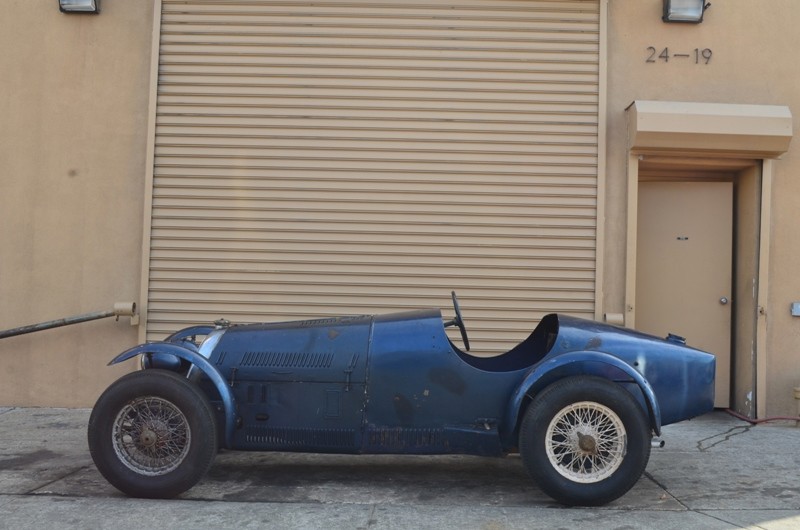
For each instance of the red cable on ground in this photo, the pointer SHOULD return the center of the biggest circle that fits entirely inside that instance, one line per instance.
(763, 420)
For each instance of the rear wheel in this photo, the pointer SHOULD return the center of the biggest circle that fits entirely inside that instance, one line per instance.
(152, 434)
(585, 441)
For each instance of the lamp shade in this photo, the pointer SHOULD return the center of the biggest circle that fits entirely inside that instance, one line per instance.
(79, 6)
(690, 11)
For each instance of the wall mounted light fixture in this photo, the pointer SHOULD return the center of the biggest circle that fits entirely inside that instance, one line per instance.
(79, 6)
(690, 11)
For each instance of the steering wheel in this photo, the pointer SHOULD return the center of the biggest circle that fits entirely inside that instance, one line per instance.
(458, 321)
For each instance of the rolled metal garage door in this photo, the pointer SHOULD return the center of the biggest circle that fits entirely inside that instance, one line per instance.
(325, 158)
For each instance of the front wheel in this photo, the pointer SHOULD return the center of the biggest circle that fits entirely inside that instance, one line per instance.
(152, 434)
(585, 441)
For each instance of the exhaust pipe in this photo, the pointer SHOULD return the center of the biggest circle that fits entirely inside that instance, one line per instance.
(657, 443)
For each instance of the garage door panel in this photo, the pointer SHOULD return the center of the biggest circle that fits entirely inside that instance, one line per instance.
(464, 273)
(326, 91)
(502, 230)
(266, 119)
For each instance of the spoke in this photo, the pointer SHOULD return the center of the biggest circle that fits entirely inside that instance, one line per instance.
(165, 422)
(563, 430)
(146, 413)
(605, 460)
(609, 440)
(572, 458)
(565, 445)
(586, 464)
(586, 419)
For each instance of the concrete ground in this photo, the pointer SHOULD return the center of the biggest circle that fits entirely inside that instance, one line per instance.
(715, 472)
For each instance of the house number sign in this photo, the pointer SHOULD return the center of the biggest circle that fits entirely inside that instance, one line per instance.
(698, 55)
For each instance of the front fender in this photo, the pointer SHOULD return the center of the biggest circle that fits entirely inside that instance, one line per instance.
(183, 352)
(580, 363)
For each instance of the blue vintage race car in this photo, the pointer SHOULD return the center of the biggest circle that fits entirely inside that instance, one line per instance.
(580, 400)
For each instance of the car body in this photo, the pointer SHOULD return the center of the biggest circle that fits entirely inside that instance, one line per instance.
(580, 400)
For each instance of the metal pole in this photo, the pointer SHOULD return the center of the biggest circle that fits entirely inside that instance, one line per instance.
(120, 309)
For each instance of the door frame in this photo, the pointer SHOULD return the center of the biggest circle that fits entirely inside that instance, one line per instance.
(723, 133)
(731, 165)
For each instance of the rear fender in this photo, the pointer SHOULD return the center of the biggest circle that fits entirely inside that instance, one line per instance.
(192, 356)
(580, 363)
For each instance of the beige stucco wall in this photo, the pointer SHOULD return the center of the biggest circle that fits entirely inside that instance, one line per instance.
(73, 119)
(752, 63)
(73, 140)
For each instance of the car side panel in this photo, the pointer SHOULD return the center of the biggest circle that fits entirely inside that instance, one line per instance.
(423, 398)
(300, 386)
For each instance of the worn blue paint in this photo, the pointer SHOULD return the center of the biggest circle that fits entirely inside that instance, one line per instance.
(396, 384)
(583, 363)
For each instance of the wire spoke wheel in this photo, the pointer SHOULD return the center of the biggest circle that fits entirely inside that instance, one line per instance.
(151, 436)
(586, 442)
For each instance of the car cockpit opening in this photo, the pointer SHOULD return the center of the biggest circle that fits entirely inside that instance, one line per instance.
(524, 355)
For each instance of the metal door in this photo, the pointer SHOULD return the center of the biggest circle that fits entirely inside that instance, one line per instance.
(684, 267)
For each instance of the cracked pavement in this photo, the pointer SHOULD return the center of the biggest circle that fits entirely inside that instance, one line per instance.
(714, 472)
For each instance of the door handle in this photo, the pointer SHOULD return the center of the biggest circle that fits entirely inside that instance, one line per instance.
(723, 300)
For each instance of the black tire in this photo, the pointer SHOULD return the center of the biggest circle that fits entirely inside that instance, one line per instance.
(585, 441)
(152, 434)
